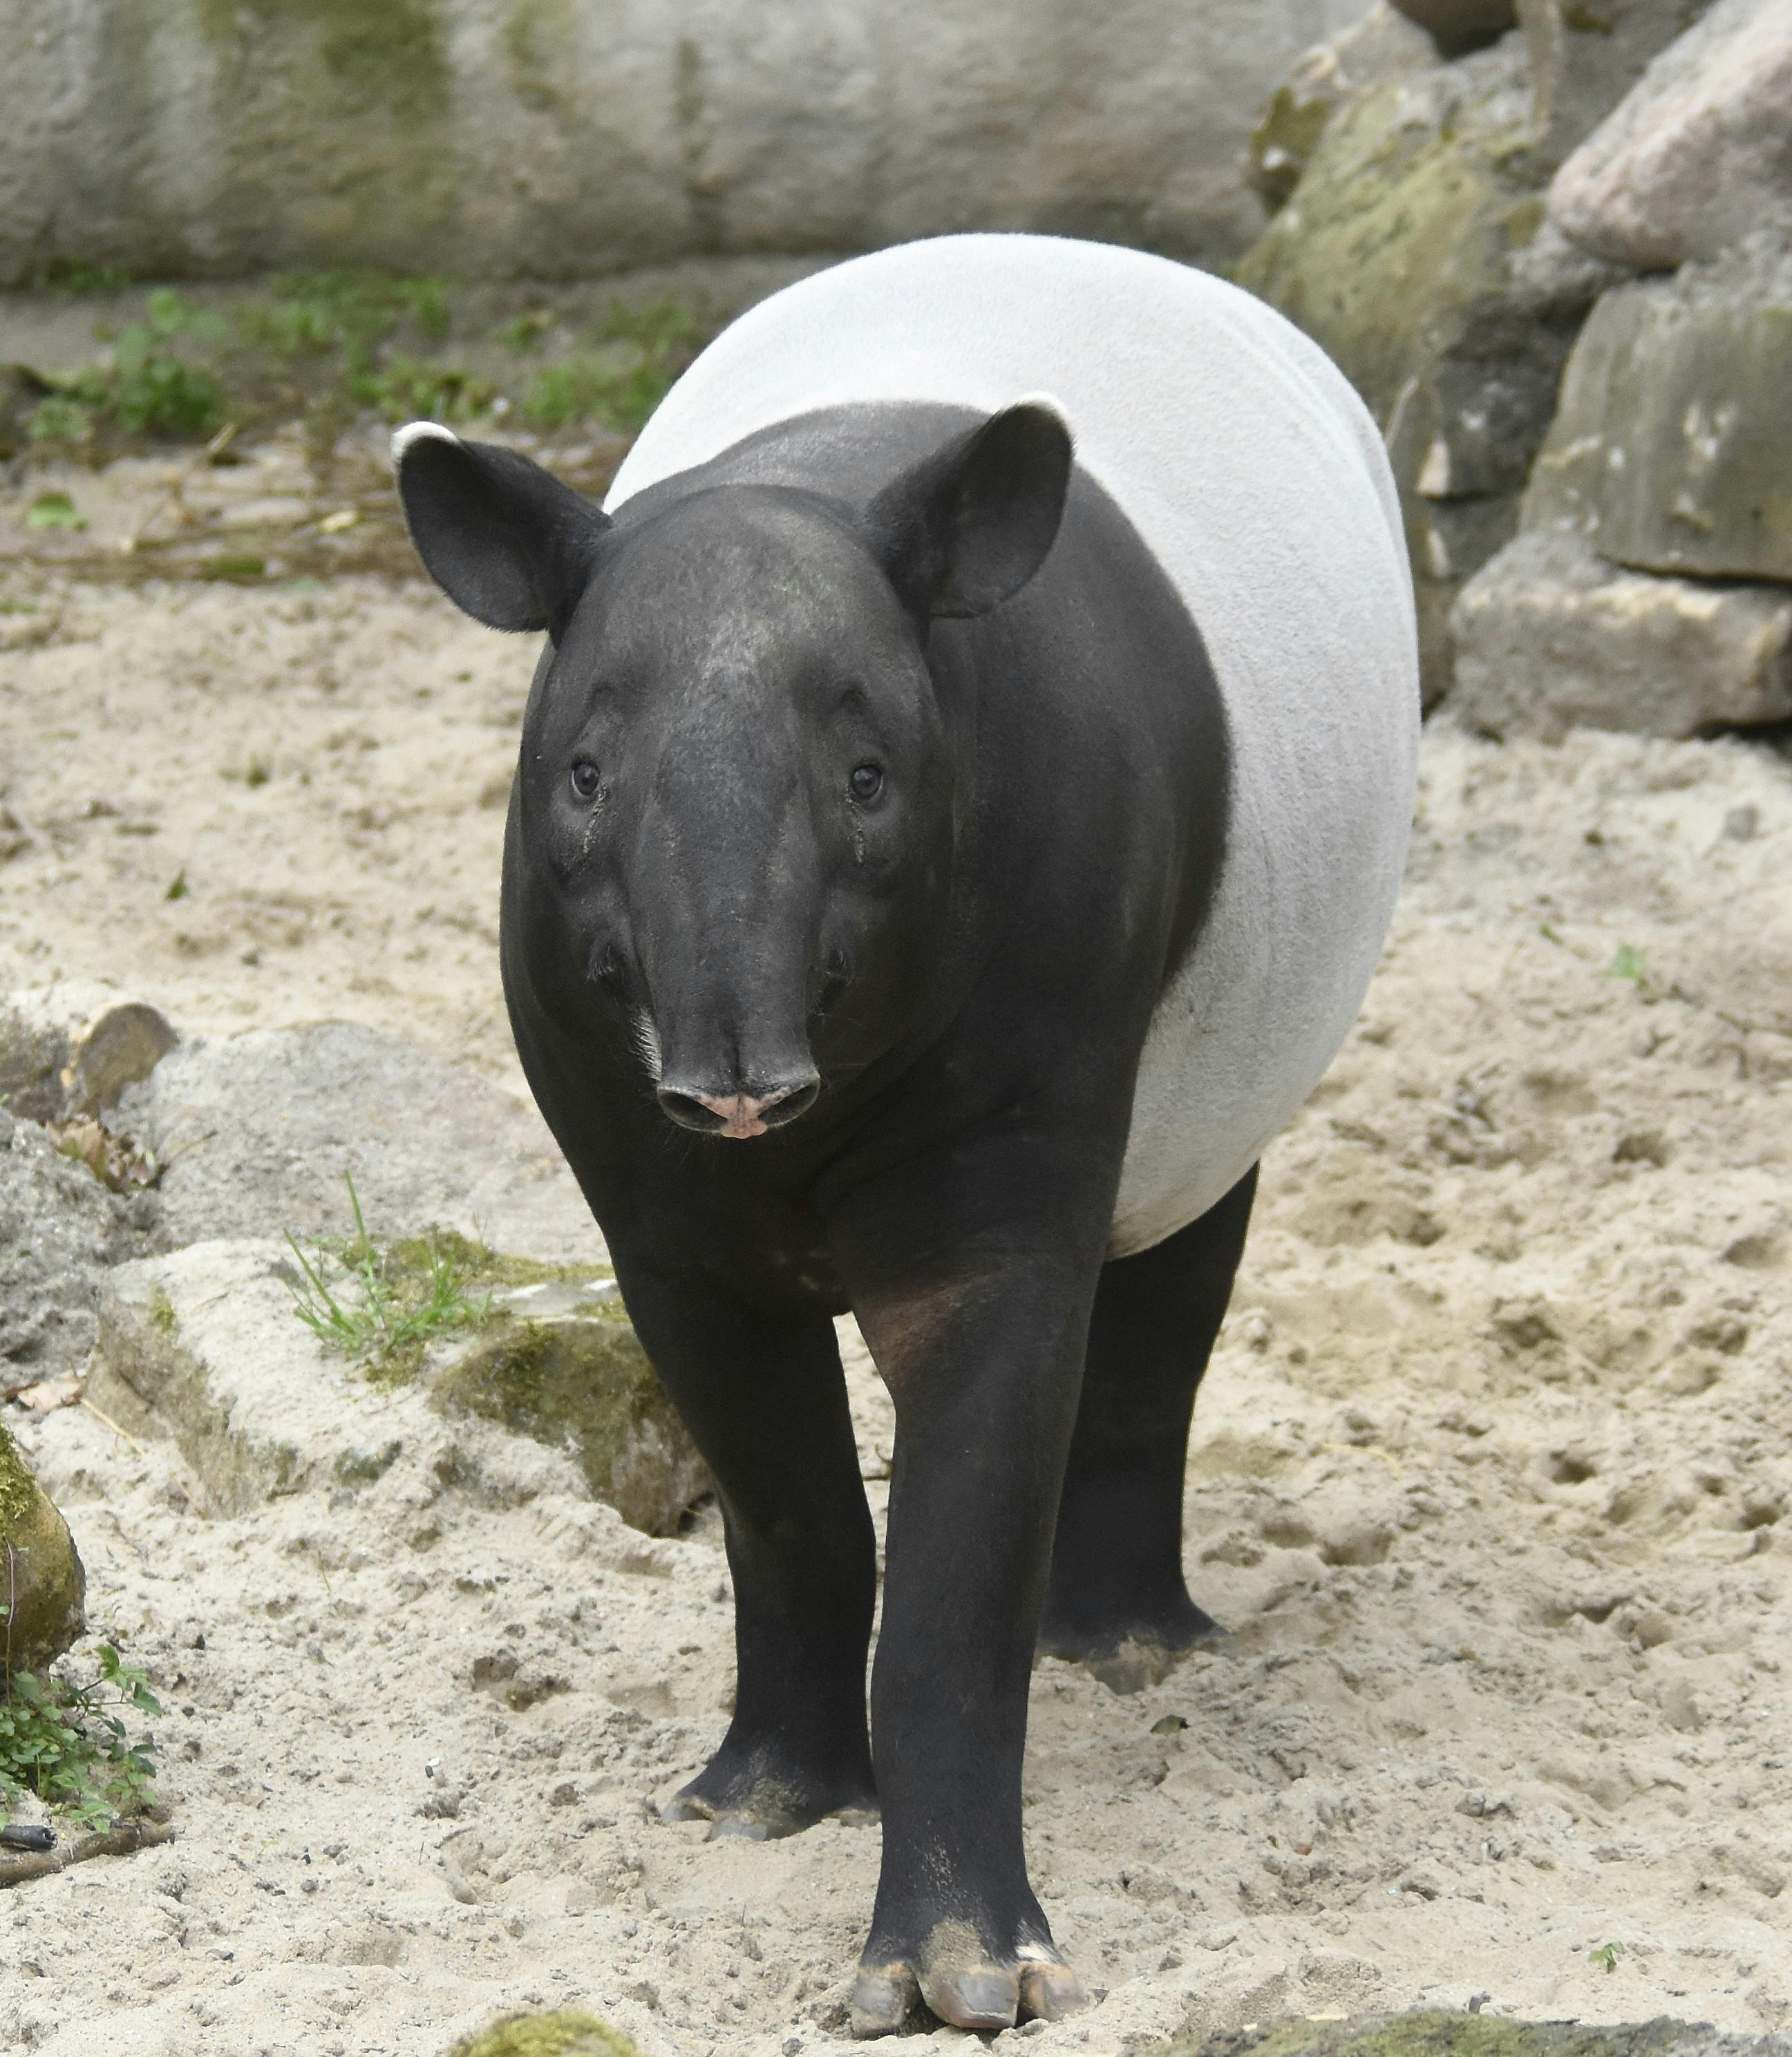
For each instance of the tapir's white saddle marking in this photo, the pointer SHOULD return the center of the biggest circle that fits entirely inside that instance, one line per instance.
(1257, 478)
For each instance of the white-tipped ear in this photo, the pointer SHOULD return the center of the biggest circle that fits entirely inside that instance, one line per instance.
(1047, 403)
(415, 432)
(504, 539)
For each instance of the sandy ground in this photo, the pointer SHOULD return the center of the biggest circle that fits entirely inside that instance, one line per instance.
(1489, 1478)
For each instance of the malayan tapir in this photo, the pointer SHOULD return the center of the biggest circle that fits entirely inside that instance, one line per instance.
(960, 802)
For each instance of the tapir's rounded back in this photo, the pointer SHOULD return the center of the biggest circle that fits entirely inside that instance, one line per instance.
(1256, 477)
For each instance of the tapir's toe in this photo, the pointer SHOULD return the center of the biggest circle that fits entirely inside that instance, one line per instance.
(979, 1996)
(1049, 1989)
(883, 1997)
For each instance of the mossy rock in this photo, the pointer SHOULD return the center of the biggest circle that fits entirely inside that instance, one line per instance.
(1407, 253)
(1672, 450)
(40, 1568)
(554, 1363)
(1382, 45)
(566, 2032)
(1433, 2032)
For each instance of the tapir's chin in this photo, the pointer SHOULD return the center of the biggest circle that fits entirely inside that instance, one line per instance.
(738, 1115)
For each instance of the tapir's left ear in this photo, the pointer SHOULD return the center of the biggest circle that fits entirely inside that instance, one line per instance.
(504, 539)
(964, 530)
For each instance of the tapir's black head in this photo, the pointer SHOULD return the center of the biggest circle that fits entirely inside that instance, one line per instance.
(738, 782)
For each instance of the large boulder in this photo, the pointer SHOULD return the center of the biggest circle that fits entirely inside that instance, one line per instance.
(1671, 448)
(1549, 636)
(1698, 156)
(259, 1132)
(541, 1387)
(1385, 44)
(536, 138)
(43, 1584)
(1416, 252)
(1586, 54)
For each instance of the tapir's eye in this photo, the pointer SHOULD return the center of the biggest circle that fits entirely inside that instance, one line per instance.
(866, 782)
(585, 777)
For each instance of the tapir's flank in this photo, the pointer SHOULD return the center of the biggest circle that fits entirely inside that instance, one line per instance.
(938, 863)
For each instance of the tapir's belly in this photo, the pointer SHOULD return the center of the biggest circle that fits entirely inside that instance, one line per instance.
(1258, 480)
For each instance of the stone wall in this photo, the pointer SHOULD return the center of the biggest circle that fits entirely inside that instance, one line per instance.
(1559, 269)
(565, 138)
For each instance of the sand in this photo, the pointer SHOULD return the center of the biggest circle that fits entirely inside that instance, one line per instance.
(1489, 1477)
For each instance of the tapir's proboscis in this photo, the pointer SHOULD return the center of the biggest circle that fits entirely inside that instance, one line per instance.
(961, 804)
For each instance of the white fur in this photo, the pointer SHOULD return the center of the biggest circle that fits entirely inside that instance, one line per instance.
(1258, 480)
(417, 432)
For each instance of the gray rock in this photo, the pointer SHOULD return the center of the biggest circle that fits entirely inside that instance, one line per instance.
(61, 1229)
(256, 1132)
(1549, 636)
(205, 1347)
(1586, 54)
(43, 1584)
(1671, 447)
(1461, 25)
(1698, 156)
(1383, 44)
(533, 138)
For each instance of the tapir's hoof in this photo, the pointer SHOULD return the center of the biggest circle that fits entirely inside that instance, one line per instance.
(981, 1997)
(882, 1999)
(762, 1817)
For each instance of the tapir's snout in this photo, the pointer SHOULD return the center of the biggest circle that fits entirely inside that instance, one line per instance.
(739, 1115)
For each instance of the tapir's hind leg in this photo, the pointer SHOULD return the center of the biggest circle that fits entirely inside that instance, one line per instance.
(1117, 1599)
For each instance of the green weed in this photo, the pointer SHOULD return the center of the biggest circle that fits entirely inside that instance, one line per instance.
(68, 1745)
(1606, 1956)
(617, 388)
(1630, 964)
(404, 389)
(71, 276)
(147, 388)
(54, 510)
(376, 1312)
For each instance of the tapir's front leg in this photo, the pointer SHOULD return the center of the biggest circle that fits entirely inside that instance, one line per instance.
(983, 1355)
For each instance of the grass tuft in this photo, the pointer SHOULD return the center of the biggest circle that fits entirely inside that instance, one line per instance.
(380, 1315)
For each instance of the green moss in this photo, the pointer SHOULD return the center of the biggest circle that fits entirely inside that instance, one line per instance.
(1524, 220)
(566, 2032)
(18, 1490)
(1434, 2033)
(162, 1317)
(537, 37)
(390, 54)
(583, 1384)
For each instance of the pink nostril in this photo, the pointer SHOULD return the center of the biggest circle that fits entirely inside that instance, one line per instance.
(740, 1113)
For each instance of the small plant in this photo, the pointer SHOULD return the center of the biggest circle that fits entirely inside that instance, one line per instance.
(621, 386)
(379, 1316)
(1606, 1956)
(1630, 965)
(60, 420)
(405, 388)
(67, 1745)
(54, 510)
(146, 390)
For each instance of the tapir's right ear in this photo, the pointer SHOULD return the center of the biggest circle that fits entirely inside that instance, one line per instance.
(504, 539)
